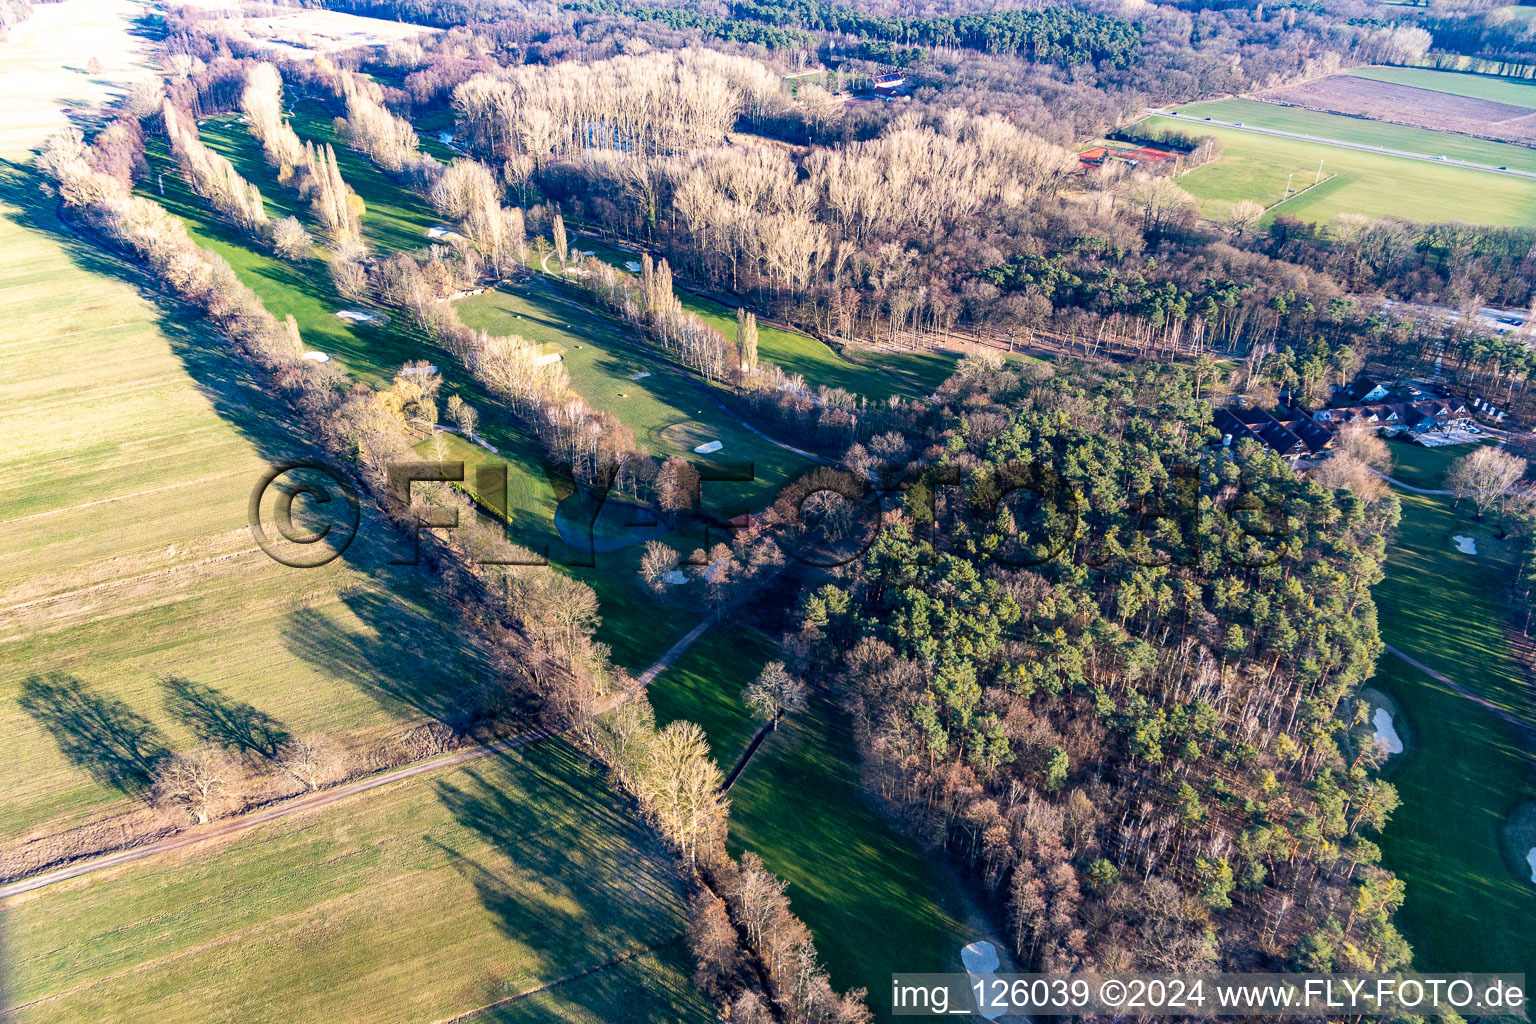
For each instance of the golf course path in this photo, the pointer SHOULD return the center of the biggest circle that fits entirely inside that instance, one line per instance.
(1410, 488)
(1340, 143)
(327, 797)
(1520, 724)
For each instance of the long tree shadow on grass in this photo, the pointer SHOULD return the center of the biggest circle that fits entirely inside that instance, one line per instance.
(222, 721)
(118, 746)
(586, 883)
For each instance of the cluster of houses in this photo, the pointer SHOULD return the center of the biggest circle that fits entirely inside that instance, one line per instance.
(1392, 409)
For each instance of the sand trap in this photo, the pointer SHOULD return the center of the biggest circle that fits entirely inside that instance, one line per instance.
(354, 316)
(547, 360)
(1466, 545)
(1530, 859)
(317, 357)
(1386, 733)
(980, 961)
(632, 266)
(640, 376)
(709, 448)
(578, 272)
(674, 577)
(412, 371)
(446, 138)
(437, 232)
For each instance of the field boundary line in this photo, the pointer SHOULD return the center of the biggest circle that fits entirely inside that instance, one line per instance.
(1520, 724)
(547, 986)
(120, 497)
(93, 588)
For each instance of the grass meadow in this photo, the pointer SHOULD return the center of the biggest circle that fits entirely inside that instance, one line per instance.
(1256, 167)
(873, 899)
(1469, 905)
(1456, 83)
(133, 443)
(1365, 132)
(421, 901)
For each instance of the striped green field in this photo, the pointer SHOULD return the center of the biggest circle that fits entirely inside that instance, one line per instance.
(1363, 132)
(1257, 167)
(1457, 83)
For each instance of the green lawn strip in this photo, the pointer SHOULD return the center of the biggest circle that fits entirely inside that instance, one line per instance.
(1468, 907)
(794, 351)
(874, 901)
(1418, 466)
(1365, 132)
(1257, 167)
(1464, 770)
(419, 902)
(1458, 83)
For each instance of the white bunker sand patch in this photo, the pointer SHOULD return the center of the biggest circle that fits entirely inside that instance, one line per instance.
(1466, 545)
(1530, 858)
(1386, 732)
(980, 961)
(548, 359)
(640, 376)
(354, 316)
(437, 232)
(674, 577)
(632, 266)
(317, 357)
(708, 447)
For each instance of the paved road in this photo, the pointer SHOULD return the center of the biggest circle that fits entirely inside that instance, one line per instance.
(1197, 121)
(327, 797)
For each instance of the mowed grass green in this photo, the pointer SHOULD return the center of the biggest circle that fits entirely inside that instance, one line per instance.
(1362, 131)
(875, 374)
(1465, 770)
(133, 443)
(874, 901)
(420, 901)
(1457, 83)
(1254, 166)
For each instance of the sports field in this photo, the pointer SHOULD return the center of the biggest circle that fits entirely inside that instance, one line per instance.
(1469, 905)
(1365, 132)
(457, 890)
(874, 900)
(1457, 83)
(1257, 167)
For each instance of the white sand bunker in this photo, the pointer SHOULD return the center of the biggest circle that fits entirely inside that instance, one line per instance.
(317, 357)
(438, 232)
(446, 138)
(1466, 545)
(413, 371)
(980, 961)
(640, 376)
(354, 316)
(674, 577)
(632, 266)
(549, 359)
(709, 447)
(1386, 733)
(1530, 858)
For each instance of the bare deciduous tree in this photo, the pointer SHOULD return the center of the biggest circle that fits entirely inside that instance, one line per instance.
(198, 781)
(775, 693)
(1485, 476)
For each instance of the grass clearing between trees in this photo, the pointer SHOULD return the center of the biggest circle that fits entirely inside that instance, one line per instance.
(420, 901)
(1465, 770)
(1254, 166)
(1456, 83)
(874, 900)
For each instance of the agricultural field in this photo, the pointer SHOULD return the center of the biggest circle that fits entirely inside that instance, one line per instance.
(1511, 91)
(1256, 167)
(800, 805)
(1464, 770)
(1380, 103)
(133, 445)
(460, 889)
(1360, 130)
